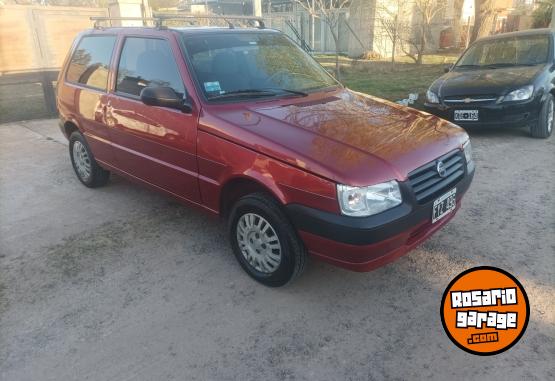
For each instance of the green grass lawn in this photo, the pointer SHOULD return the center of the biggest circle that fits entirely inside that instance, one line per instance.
(389, 81)
(393, 81)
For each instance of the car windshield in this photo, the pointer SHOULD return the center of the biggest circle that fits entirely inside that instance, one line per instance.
(504, 52)
(244, 65)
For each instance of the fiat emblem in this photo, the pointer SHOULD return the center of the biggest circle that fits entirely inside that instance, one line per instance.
(440, 168)
(467, 100)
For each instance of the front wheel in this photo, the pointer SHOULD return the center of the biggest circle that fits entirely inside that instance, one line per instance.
(264, 241)
(544, 127)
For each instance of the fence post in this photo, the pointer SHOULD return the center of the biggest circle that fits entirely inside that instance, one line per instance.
(49, 94)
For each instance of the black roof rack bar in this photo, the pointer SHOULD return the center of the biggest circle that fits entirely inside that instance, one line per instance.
(160, 18)
(170, 16)
(97, 20)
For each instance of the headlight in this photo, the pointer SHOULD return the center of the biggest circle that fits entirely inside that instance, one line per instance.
(521, 94)
(467, 148)
(366, 201)
(432, 97)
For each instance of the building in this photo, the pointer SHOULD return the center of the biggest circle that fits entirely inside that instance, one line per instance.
(220, 7)
(366, 24)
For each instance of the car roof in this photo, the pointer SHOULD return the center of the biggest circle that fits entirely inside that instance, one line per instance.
(529, 32)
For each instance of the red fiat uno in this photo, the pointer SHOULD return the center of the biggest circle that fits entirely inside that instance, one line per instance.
(244, 124)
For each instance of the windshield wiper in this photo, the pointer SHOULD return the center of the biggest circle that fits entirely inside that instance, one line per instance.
(248, 93)
(296, 92)
(466, 66)
(498, 65)
(257, 93)
(530, 64)
(507, 64)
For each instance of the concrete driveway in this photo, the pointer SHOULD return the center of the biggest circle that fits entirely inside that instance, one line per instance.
(120, 283)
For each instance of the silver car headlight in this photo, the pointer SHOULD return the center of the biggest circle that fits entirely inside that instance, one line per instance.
(522, 94)
(366, 201)
(467, 149)
(432, 97)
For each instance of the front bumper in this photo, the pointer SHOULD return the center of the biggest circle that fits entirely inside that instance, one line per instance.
(491, 115)
(364, 243)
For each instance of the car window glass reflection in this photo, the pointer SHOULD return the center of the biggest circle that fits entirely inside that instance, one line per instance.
(147, 62)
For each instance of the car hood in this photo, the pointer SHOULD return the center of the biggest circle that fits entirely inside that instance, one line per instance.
(481, 82)
(347, 137)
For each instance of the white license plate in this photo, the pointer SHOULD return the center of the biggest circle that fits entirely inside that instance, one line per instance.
(466, 115)
(444, 205)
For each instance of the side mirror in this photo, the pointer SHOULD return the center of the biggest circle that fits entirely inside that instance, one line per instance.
(164, 97)
(447, 68)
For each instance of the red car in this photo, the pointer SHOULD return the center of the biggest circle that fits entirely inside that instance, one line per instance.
(244, 124)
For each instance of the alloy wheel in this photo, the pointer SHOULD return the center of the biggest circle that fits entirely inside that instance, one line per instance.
(81, 160)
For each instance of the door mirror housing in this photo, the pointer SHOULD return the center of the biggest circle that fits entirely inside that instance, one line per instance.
(447, 68)
(163, 96)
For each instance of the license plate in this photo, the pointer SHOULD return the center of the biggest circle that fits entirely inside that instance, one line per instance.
(466, 115)
(444, 205)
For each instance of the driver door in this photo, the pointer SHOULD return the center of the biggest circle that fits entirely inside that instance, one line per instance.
(154, 144)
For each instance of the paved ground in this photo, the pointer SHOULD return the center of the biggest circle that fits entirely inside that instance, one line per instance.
(120, 283)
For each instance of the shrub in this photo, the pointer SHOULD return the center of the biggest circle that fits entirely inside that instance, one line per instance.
(371, 56)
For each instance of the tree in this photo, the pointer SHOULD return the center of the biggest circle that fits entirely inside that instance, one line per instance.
(542, 14)
(457, 26)
(425, 12)
(392, 16)
(484, 13)
(328, 12)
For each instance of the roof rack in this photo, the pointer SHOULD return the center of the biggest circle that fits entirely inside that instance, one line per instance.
(159, 19)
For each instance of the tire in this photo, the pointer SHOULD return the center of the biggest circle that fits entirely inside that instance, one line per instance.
(261, 209)
(544, 127)
(85, 166)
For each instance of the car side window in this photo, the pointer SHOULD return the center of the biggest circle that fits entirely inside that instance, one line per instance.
(90, 62)
(147, 62)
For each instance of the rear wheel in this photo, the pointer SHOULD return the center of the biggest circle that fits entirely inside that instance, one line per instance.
(544, 127)
(85, 166)
(264, 241)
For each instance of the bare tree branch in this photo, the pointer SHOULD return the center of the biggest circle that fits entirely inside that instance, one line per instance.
(329, 12)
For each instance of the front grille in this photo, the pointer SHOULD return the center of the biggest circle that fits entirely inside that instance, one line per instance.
(426, 182)
(470, 99)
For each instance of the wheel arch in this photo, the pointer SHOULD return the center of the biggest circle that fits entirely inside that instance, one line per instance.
(238, 186)
(69, 127)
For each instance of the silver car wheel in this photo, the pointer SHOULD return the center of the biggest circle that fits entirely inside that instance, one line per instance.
(258, 243)
(81, 160)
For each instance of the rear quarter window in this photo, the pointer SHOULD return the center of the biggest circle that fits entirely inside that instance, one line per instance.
(90, 62)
